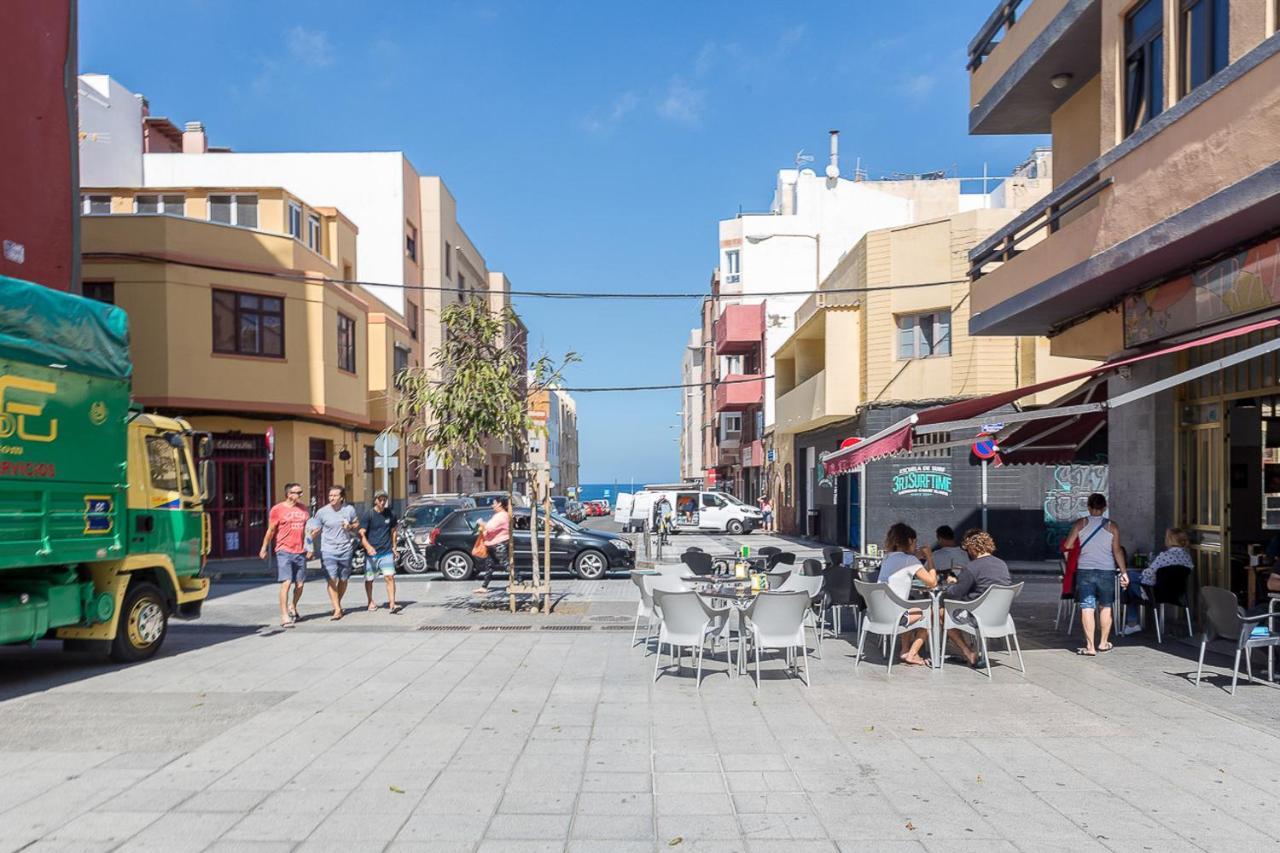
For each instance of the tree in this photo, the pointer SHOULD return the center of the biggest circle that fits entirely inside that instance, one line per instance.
(475, 389)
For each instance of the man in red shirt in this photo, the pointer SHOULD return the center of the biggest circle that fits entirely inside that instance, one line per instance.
(288, 523)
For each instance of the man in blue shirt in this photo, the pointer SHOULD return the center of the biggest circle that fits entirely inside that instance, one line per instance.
(378, 537)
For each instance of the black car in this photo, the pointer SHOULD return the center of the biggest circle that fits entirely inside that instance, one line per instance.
(588, 554)
(483, 499)
(426, 514)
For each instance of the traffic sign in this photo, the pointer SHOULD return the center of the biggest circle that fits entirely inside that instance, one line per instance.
(386, 444)
(985, 447)
(850, 441)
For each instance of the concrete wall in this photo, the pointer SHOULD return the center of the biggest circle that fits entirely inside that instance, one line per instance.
(111, 121)
(1076, 129)
(1141, 456)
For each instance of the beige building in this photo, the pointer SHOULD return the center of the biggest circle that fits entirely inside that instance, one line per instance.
(553, 442)
(234, 326)
(1159, 235)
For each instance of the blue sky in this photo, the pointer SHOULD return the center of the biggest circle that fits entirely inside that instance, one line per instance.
(591, 146)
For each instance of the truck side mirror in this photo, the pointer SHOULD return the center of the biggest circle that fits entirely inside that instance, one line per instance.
(206, 480)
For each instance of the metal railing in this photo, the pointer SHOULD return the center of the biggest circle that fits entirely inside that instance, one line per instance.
(1048, 217)
(1004, 17)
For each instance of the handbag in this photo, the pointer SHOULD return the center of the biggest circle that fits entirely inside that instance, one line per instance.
(480, 549)
(1072, 561)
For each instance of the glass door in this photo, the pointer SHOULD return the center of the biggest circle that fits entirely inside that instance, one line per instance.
(1202, 489)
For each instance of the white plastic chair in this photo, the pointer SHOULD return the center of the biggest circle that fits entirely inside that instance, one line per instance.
(644, 607)
(811, 585)
(775, 620)
(688, 621)
(883, 616)
(987, 619)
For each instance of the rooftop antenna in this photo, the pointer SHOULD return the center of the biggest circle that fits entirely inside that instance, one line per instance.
(803, 159)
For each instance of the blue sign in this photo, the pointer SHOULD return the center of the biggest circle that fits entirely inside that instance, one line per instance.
(985, 447)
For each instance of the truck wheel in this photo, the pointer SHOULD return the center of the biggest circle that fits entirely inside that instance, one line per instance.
(144, 621)
(456, 566)
(735, 528)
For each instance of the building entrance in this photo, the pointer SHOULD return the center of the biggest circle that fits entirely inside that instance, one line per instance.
(238, 513)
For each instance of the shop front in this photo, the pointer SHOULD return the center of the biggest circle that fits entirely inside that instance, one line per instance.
(238, 513)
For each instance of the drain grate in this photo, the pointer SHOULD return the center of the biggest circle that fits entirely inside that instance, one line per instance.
(616, 627)
(444, 627)
(506, 627)
(566, 628)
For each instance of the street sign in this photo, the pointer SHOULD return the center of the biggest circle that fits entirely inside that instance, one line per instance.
(386, 444)
(772, 455)
(985, 447)
(388, 462)
(993, 428)
(271, 442)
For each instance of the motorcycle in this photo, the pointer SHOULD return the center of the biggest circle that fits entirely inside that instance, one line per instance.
(411, 557)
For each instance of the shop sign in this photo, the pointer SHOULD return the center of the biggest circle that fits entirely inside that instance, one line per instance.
(1241, 284)
(248, 443)
(922, 480)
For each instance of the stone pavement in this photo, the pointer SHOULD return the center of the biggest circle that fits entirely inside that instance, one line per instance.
(374, 734)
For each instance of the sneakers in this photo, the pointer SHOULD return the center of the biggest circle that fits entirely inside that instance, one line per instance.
(1130, 630)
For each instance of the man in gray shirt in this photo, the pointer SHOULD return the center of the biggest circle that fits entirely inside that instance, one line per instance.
(337, 524)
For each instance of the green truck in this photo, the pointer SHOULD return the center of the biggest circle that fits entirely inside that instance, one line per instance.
(103, 533)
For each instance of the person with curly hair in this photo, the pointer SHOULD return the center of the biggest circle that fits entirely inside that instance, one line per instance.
(984, 571)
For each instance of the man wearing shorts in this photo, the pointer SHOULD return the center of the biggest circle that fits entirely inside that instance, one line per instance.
(378, 536)
(287, 522)
(337, 525)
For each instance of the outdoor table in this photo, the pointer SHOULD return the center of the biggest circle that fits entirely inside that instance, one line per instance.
(739, 599)
(937, 637)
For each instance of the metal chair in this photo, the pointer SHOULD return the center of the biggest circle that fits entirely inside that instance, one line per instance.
(883, 616)
(1222, 616)
(698, 562)
(687, 622)
(775, 620)
(644, 607)
(987, 618)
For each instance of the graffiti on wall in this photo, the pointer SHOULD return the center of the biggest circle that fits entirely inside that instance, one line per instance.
(1066, 498)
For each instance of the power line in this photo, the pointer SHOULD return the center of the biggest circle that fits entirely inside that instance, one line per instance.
(290, 275)
(662, 387)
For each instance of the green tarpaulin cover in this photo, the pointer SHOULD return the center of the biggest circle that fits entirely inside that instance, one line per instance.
(40, 325)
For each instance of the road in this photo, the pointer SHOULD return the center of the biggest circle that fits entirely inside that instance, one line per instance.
(457, 726)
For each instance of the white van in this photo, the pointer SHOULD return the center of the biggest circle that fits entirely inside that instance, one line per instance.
(692, 511)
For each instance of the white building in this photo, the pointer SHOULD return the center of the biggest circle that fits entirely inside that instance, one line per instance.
(691, 376)
(110, 133)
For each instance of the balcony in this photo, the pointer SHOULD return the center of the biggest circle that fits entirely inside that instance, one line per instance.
(1196, 180)
(728, 457)
(739, 329)
(1012, 61)
(736, 392)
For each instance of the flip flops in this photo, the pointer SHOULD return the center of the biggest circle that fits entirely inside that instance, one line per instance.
(1085, 653)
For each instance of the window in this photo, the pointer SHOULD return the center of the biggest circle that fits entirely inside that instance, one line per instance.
(448, 261)
(400, 355)
(238, 209)
(162, 459)
(103, 291)
(411, 242)
(313, 233)
(730, 426)
(248, 323)
(411, 317)
(95, 204)
(346, 343)
(710, 501)
(924, 335)
(1202, 41)
(731, 262)
(1143, 65)
(170, 205)
(295, 220)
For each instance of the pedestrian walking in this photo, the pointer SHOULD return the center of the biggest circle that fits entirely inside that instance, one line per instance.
(378, 538)
(766, 512)
(337, 525)
(1100, 556)
(496, 533)
(287, 525)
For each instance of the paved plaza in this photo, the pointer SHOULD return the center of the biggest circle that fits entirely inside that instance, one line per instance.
(454, 726)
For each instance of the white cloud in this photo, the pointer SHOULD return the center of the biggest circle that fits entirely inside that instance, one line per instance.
(602, 122)
(682, 103)
(309, 46)
(917, 86)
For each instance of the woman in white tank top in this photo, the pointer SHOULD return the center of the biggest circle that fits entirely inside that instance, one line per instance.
(1098, 538)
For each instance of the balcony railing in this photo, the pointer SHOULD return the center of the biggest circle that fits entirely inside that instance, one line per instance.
(1045, 216)
(1004, 17)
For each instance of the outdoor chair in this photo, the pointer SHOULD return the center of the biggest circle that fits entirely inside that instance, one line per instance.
(1222, 616)
(832, 557)
(1173, 586)
(812, 586)
(768, 551)
(688, 622)
(698, 562)
(1066, 600)
(841, 594)
(776, 579)
(775, 620)
(785, 558)
(644, 607)
(883, 616)
(674, 570)
(986, 618)
(666, 582)
(813, 568)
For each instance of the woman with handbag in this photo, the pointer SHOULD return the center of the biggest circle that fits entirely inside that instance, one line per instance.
(495, 540)
(1100, 555)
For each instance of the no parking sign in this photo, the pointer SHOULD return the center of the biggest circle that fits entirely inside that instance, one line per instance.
(985, 448)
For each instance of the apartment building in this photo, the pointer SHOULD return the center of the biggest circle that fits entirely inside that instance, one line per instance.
(553, 441)
(413, 250)
(1156, 250)
(235, 324)
(770, 262)
(691, 423)
(863, 358)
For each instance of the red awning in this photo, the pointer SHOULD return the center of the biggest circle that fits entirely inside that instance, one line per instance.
(1057, 438)
(899, 437)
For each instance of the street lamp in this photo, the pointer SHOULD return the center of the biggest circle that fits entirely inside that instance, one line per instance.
(756, 239)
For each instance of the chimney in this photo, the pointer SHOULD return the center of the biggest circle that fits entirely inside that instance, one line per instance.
(833, 168)
(193, 139)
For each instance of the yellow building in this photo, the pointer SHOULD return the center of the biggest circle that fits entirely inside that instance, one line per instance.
(233, 325)
(1157, 244)
(858, 359)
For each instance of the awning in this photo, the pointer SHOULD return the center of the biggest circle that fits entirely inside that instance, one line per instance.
(968, 414)
(1056, 438)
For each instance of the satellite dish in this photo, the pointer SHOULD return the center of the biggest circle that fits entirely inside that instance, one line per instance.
(833, 171)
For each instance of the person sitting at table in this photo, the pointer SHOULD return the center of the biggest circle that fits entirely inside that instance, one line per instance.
(1177, 552)
(901, 565)
(948, 557)
(983, 571)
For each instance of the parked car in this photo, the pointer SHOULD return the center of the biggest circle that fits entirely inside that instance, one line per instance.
(596, 509)
(427, 512)
(483, 499)
(692, 510)
(588, 554)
